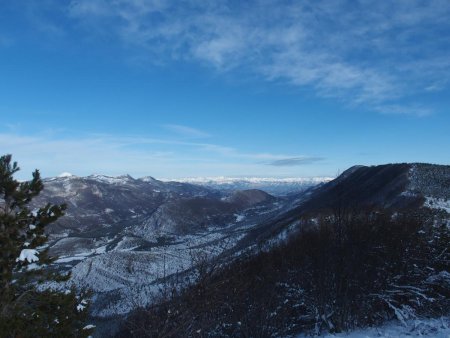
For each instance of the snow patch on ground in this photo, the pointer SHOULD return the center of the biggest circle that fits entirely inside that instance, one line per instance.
(239, 217)
(76, 257)
(128, 244)
(438, 328)
(100, 250)
(442, 278)
(438, 203)
(88, 327)
(81, 306)
(70, 259)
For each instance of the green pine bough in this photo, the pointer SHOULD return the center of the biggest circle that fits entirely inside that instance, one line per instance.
(27, 309)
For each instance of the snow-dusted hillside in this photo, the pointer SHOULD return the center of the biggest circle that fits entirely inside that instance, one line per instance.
(430, 180)
(128, 269)
(433, 183)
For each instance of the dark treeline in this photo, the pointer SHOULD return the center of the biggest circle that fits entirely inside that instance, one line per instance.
(340, 271)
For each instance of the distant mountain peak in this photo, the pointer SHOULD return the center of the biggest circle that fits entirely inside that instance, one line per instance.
(111, 179)
(148, 179)
(66, 174)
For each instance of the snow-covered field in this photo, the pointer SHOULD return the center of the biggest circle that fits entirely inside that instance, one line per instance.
(437, 328)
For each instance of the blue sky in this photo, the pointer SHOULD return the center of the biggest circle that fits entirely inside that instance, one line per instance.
(223, 88)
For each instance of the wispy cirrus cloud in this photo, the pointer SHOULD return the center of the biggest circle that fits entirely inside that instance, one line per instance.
(358, 52)
(371, 54)
(295, 161)
(394, 109)
(186, 131)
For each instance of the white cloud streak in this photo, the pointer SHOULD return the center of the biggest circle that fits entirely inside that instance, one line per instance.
(295, 161)
(186, 131)
(138, 156)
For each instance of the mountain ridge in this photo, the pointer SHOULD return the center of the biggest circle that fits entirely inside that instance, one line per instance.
(143, 223)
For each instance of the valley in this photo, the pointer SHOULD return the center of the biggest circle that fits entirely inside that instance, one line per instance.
(129, 240)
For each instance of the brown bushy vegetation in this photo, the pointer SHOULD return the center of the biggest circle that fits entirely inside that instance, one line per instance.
(339, 271)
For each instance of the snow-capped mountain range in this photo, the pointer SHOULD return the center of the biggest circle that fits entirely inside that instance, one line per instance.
(271, 185)
(274, 186)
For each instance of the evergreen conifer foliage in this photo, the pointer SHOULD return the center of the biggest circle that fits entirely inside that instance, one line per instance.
(26, 310)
